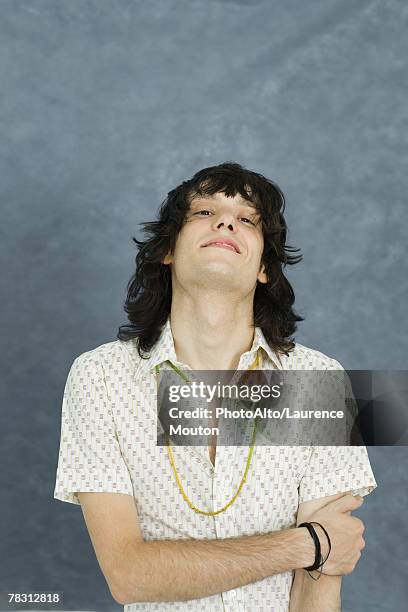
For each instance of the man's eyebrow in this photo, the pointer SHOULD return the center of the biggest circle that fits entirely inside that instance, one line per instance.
(251, 205)
(244, 203)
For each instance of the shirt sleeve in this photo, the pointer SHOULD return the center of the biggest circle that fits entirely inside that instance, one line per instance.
(337, 469)
(90, 457)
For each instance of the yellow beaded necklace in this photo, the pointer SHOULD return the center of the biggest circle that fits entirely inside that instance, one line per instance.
(248, 463)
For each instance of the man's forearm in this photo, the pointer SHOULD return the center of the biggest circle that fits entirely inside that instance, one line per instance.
(308, 595)
(179, 570)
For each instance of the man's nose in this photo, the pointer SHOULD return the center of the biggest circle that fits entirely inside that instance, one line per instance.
(227, 220)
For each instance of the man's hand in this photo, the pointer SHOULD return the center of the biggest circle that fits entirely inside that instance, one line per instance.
(345, 533)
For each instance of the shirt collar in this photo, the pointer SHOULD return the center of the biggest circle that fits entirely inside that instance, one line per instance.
(164, 350)
(261, 342)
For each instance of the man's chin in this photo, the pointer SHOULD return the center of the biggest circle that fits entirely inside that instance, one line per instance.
(224, 279)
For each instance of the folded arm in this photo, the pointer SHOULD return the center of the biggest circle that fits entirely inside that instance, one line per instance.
(308, 595)
(179, 570)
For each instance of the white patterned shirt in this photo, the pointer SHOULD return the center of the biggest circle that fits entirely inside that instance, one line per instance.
(109, 444)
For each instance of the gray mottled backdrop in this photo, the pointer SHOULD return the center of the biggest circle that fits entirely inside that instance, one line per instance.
(105, 106)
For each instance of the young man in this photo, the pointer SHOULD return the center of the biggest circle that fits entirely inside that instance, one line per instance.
(180, 529)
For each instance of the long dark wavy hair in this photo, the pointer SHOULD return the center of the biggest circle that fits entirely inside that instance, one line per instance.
(149, 291)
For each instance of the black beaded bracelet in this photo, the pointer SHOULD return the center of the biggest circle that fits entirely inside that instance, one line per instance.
(315, 538)
(328, 539)
(318, 564)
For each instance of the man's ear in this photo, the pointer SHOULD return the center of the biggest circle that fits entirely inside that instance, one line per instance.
(168, 259)
(262, 276)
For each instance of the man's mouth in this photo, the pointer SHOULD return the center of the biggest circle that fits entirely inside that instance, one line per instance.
(223, 245)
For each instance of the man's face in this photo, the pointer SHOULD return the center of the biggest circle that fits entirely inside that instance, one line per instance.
(214, 219)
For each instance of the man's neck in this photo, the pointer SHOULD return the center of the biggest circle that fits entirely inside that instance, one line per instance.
(211, 332)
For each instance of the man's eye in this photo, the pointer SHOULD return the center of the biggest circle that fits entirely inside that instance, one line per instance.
(209, 212)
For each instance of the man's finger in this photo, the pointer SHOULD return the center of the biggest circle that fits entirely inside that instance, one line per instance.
(347, 502)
